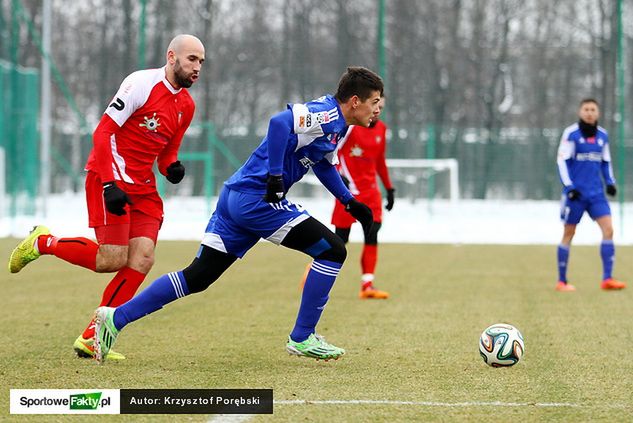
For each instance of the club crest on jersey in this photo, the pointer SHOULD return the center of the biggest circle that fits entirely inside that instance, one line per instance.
(322, 117)
(356, 151)
(306, 162)
(151, 124)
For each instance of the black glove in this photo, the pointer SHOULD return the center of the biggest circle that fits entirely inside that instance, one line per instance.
(573, 194)
(115, 198)
(362, 213)
(390, 198)
(345, 181)
(275, 191)
(175, 172)
(612, 190)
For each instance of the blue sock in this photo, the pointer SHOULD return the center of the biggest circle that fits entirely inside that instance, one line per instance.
(316, 292)
(607, 253)
(162, 291)
(563, 258)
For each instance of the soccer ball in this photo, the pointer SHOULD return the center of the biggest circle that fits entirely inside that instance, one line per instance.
(501, 345)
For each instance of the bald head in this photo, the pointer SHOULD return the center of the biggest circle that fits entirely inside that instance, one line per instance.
(184, 41)
(185, 55)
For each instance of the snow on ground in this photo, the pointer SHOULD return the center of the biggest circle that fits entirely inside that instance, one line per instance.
(439, 221)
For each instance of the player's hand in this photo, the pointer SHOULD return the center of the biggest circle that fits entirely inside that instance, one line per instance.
(115, 198)
(573, 194)
(175, 172)
(345, 181)
(390, 198)
(612, 190)
(362, 213)
(275, 191)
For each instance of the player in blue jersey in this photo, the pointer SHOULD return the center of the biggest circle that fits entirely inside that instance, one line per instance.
(583, 162)
(253, 205)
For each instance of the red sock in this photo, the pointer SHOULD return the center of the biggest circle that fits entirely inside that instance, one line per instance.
(80, 251)
(369, 258)
(120, 290)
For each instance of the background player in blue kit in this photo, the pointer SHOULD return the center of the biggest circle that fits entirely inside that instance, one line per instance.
(583, 160)
(253, 205)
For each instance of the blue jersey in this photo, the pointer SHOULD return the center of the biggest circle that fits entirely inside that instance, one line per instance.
(581, 161)
(313, 135)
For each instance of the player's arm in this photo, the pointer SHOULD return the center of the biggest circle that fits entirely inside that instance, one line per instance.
(101, 140)
(566, 152)
(607, 170)
(330, 178)
(168, 163)
(115, 198)
(383, 173)
(279, 129)
(332, 181)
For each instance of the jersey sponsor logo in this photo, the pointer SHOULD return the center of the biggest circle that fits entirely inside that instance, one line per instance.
(151, 124)
(118, 104)
(589, 157)
(308, 121)
(306, 162)
(305, 121)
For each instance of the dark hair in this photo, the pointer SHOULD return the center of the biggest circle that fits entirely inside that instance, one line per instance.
(358, 81)
(589, 100)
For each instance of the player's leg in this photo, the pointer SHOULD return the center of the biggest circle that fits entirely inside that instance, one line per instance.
(222, 244)
(563, 257)
(607, 254)
(199, 275)
(328, 250)
(115, 240)
(102, 257)
(570, 213)
(146, 217)
(369, 258)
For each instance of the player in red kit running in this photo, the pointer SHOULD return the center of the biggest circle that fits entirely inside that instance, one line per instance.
(362, 157)
(145, 122)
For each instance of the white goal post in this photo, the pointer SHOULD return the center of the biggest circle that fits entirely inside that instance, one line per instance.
(436, 165)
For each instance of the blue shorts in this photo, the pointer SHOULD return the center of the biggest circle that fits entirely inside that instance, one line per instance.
(241, 219)
(571, 211)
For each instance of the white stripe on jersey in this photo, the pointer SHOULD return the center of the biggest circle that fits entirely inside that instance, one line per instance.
(566, 151)
(134, 92)
(345, 171)
(118, 167)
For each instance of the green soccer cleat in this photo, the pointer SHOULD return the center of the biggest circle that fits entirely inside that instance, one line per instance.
(85, 349)
(26, 252)
(105, 332)
(314, 347)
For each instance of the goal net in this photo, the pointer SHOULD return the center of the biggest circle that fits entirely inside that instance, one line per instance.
(429, 179)
(415, 179)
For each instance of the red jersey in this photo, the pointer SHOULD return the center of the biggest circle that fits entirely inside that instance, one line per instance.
(362, 156)
(145, 121)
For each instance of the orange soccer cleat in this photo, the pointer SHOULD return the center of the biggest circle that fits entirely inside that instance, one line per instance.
(565, 287)
(611, 284)
(372, 293)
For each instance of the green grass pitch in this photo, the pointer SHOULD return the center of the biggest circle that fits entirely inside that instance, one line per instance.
(420, 346)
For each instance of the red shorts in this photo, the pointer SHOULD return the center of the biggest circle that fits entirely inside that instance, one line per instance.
(144, 216)
(373, 199)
